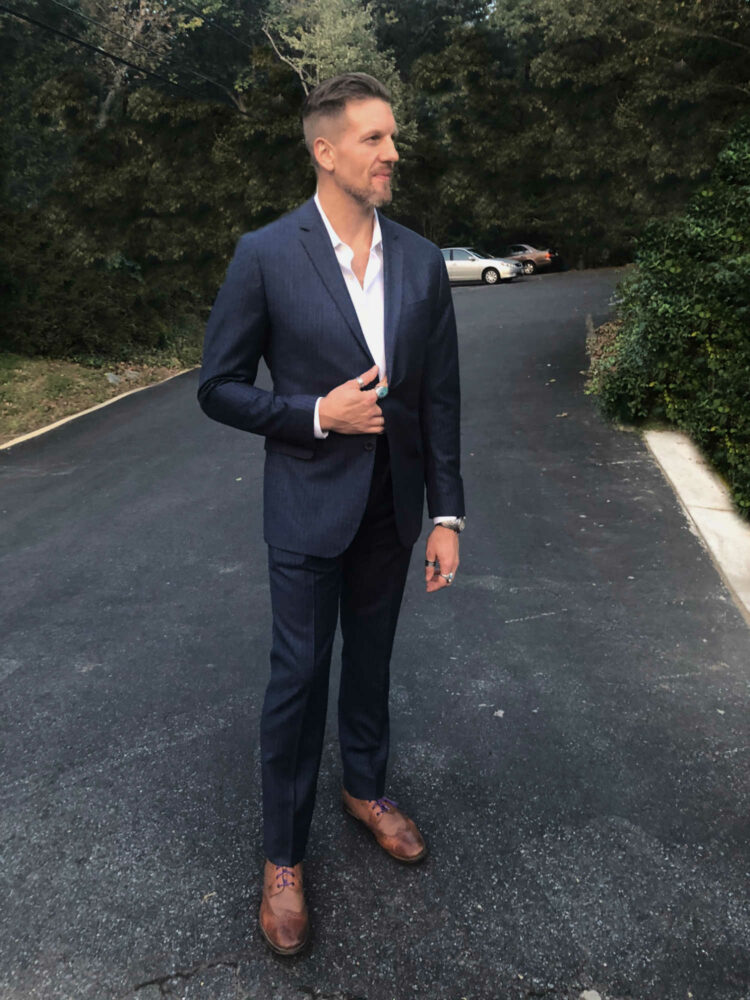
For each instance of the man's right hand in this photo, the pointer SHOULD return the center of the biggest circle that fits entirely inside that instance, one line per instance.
(347, 409)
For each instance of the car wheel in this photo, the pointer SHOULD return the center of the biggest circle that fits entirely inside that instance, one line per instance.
(529, 267)
(490, 276)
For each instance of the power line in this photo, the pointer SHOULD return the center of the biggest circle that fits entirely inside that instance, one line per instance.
(109, 55)
(139, 45)
(99, 51)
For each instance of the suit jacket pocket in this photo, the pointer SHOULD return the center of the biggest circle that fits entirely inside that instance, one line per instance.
(284, 448)
(417, 307)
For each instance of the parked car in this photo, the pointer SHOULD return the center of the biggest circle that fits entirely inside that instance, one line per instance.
(468, 264)
(532, 259)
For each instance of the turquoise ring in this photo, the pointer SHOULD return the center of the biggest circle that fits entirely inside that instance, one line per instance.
(382, 391)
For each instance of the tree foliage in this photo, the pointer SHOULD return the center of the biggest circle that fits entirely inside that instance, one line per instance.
(319, 40)
(532, 120)
(137, 30)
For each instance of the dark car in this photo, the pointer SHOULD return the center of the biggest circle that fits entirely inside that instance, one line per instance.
(531, 259)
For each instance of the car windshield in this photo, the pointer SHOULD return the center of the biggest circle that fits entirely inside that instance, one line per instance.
(478, 253)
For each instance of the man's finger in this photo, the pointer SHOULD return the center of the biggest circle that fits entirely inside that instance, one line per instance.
(441, 578)
(431, 565)
(366, 377)
(435, 575)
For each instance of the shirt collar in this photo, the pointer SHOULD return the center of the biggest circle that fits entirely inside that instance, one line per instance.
(377, 236)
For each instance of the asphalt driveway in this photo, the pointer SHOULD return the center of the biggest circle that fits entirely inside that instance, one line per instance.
(569, 721)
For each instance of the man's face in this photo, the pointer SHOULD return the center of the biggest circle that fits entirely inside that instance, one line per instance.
(361, 151)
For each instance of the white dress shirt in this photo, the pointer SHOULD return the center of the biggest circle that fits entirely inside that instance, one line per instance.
(368, 300)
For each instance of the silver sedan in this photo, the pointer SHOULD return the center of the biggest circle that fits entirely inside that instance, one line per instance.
(467, 264)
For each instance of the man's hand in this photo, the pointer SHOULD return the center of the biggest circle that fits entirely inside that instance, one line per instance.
(347, 409)
(442, 548)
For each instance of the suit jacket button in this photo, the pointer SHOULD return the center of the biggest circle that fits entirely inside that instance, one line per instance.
(369, 446)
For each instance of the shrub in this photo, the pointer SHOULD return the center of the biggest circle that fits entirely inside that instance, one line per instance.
(682, 351)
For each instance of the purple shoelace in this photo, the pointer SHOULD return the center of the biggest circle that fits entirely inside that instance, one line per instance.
(281, 873)
(383, 805)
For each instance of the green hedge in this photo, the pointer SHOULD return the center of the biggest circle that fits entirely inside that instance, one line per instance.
(682, 352)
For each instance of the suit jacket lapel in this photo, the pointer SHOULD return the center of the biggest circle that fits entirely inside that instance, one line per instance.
(393, 264)
(318, 246)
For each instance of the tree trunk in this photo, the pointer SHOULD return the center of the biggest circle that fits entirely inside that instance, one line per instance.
(112, 93)
(121, 72)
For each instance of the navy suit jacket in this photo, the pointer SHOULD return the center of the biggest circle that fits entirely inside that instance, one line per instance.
(284, 299)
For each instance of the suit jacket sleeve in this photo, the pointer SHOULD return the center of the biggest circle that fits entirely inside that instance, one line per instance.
(235, 341)
(440, 408)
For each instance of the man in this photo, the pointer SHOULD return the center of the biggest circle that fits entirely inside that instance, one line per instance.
(354, 318)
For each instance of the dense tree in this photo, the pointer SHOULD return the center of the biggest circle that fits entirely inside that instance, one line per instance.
(124, 189)
(133, 30)
(320, 39)
(630, 103)
(413, 28)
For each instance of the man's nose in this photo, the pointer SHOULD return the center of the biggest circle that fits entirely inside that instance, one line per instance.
(390, 154)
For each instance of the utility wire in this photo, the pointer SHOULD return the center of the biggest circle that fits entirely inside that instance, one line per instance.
(109, 55)
(139, 45)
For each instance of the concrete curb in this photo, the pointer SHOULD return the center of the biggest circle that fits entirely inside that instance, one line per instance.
(708, 506)
(74, 416)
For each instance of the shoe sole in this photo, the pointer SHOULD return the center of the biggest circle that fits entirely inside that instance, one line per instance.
(396, 857)
(279, 950)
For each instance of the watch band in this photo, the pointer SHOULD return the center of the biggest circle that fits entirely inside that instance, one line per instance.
(456, 524)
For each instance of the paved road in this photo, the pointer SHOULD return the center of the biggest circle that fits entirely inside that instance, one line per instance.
(569, 723)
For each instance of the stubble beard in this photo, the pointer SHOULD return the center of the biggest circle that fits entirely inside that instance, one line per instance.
(367, 198)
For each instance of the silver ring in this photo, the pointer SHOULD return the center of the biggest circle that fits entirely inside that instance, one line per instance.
(448, 577)
(360, 381)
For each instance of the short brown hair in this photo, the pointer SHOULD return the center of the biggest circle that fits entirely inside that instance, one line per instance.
(330, 97)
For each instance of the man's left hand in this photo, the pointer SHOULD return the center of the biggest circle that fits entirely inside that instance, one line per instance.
(442, 549)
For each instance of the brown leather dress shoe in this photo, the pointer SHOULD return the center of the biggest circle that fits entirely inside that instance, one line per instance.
(283, 914)
(394, 831)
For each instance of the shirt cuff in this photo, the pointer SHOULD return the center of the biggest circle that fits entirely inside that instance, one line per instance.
(319, 433)
(444, 517)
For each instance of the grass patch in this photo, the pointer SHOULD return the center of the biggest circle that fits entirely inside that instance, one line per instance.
(38, 391)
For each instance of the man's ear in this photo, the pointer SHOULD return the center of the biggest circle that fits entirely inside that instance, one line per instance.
(323, 153)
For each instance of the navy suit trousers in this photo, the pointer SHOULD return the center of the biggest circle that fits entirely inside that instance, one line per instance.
(364, 585)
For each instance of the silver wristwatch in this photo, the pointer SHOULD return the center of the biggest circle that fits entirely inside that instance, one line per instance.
(456, 524)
